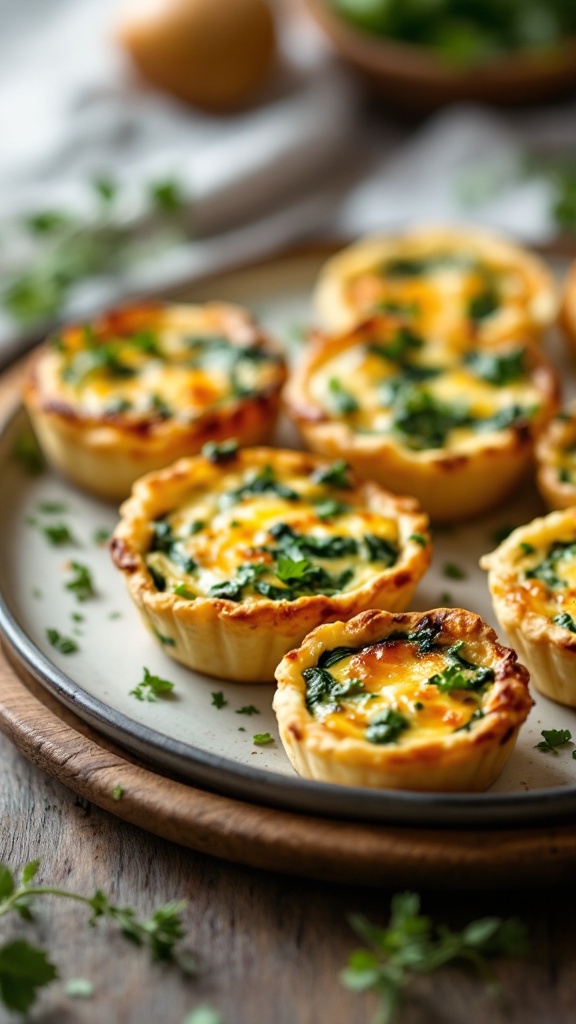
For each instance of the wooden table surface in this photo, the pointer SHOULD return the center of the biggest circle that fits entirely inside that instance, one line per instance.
(270, 947)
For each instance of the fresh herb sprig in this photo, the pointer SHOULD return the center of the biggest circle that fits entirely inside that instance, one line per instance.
(412, 945)
(25, 969)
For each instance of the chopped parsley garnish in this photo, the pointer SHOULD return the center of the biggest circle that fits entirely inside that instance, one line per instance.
(219, 452)
(248, 709)
(423, 421)
(553, 738)
(262, 482)
(232, 590)
(461, 674)
(52, 508)
(495, 369)
(445, 599)
(565, 621)
(146, 342)
(197, 526)
(163, 540)
(218, 700)
(526, 549)
(330, 546)
(419, 538)
(151, 687)
(484, 304)
(336, 475)
(27, 452)
(453, 572)
(262, 739)
(387, 727)
(63, 644)
(341, 400)
(58, 534)
(328, 508)
(181, 590)
(101, 535)
(81, 583)
(546, 571)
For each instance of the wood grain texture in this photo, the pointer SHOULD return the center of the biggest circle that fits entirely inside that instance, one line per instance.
(262, 837)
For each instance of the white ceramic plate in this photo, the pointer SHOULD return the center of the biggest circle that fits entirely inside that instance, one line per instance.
(186, 733)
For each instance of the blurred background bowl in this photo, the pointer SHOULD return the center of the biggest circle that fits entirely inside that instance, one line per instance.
(413, 79)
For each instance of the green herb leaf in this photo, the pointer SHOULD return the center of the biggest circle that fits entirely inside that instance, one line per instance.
(58, 534)
(553, 738)
(341, 401)
(484, 304)
(166, 641)
(23, 970)
(219, 452)
(328, 508)
(7, 883)
(419, 538)
(218, 700)
(248, 709)
(411, 945)
(28, 454)
(152, 687)
(262, 739)
(64, 644)
(81, 583)
(565, 621)
(499, 370)
(381, 550)
(453, 572)
(336, 475)
(167, 196)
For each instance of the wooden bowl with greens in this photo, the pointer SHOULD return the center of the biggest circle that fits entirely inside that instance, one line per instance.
(419, 56)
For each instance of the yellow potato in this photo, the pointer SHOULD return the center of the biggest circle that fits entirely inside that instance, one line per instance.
(210, 53)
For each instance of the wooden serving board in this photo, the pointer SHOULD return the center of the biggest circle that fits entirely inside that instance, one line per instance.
(330, 850)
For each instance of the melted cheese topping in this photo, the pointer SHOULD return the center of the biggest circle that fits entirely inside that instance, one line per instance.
(378, 389)
(163, 373)
(452, 299)
(223, 533)
(395, 675)
(546, 576)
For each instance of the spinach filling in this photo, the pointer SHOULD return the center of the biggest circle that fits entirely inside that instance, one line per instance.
(498, 370)
(565, 621)
(547, 570)
(418, 266)
(423, 421)
(461, 674)
(262, 482)
(239, 362)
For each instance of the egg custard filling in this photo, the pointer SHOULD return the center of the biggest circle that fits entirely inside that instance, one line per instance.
(532, 580)
(141, 386)
(236, 554)
(455, 429)
(256, 535)
(416, 701)
(459, 286)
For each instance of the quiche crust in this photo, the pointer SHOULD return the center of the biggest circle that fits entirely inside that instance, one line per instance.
(465, 759)
(452, 483)
(103, 449)
(555, 475)
(525, 606)
(346, 290)
(244, 639)
(568, 306)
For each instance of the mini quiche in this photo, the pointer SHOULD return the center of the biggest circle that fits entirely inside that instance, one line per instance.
(556, 460)
(462, 286)
(420, 701)
(532, 579)
(455, 429)
(144, 385)
(233, 556)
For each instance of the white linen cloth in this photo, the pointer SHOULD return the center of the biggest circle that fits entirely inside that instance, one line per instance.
(305, 161)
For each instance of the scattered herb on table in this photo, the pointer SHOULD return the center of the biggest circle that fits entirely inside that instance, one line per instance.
(81, 583)
(25, 969)
(64, 644)
(218, 700)
(52, 508)
(411, 945)
(445, 599)
(101, 535)
(152, 687)
(58, 534)
(553, 738)
(262, 739)
(248, 709)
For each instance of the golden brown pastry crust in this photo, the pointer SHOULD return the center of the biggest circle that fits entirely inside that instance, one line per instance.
(105, 452)
(548, 650)
(451, 484)
(338, 309)
(568, 306)
(559, 435)
(244, 640)
(463, 760)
